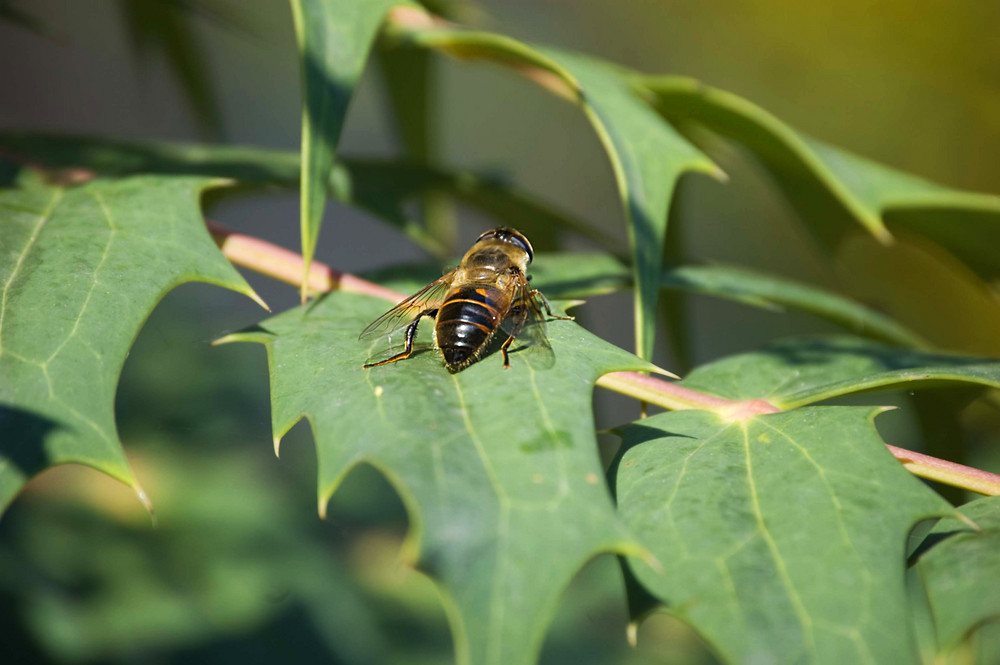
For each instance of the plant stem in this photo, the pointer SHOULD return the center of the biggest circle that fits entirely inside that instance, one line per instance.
(286, 266)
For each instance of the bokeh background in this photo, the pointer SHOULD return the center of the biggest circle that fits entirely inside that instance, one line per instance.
(239, 567)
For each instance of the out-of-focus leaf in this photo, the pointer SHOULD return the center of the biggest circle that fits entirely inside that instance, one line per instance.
(797, 372)
(11, 13)
(769, 291)
(116, 157)
(334, 39)
(381, 187)
(80, 271)
(498, 468)
(780, 537)
(579, 275)
(961, 575)
(225, 562)
(411, 83)
(923, 286)
(647, 155)
(165, 25)
(833, 188)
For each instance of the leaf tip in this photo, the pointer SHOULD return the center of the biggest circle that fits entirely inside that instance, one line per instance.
(966, 520)
(321, 506)
(226, 339)
(879, 410)
(250, 293)
(144, 499)
(717, 174)
(883, 235)
(277, 446)
(664, 372)
(632, 634)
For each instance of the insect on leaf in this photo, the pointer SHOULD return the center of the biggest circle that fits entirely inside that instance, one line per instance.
(498, 468)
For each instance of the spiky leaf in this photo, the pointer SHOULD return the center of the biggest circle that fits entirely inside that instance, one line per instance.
(498, 468)
(80, 270)
(647, 155)
(779, 538)
(334, 39)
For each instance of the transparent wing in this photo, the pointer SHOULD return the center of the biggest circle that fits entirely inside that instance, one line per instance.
(526, 320)
(401, 315)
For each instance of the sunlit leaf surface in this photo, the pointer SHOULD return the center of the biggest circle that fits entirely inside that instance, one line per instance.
(779, 538)
(833, 188)
(80, 270)
(498, 468)
(334, 39)
(647, 155)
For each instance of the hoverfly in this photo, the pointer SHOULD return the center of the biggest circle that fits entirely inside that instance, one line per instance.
(488, 290)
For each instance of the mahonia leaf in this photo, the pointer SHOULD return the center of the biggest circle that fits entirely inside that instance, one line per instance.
(832, 187)
(961, 575)
(80, 270)
(760, 289)
(780, 537)
(796, 372)
(382, 187)
(647, 155)
(334, 39)
(498, 468)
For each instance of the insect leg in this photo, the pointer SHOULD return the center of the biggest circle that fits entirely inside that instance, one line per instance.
(515, 330)
(548, 310)
(411, 332)
(503, 350)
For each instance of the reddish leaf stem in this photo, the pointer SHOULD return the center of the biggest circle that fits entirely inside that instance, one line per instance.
(286, 266)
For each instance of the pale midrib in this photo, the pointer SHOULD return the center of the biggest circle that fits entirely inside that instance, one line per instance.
(779, 562)
(497, 605)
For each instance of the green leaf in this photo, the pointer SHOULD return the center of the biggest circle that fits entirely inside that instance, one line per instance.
(961, 575)
(498, 468)
(796, 372)
(833, 188)
(647, 155)
(772, 292)
(334, 38)
(648, 158)
(381, 187)
(80, 271)
(226, 563)
(779, 538)
(579, 275)
(167, 26)
(411, 83)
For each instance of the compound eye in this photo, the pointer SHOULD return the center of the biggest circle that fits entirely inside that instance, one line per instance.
(520, 241)
(489, 234)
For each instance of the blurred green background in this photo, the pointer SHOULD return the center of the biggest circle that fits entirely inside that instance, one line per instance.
(238, 566)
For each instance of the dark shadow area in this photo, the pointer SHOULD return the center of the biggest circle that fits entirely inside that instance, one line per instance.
(22, 439)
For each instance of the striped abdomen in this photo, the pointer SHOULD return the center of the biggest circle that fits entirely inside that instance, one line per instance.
(466, 321)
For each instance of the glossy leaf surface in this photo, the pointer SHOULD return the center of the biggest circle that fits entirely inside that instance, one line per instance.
(334, 39)
(498, 468)
(80, 270)
(779, 538)
(833, 188)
